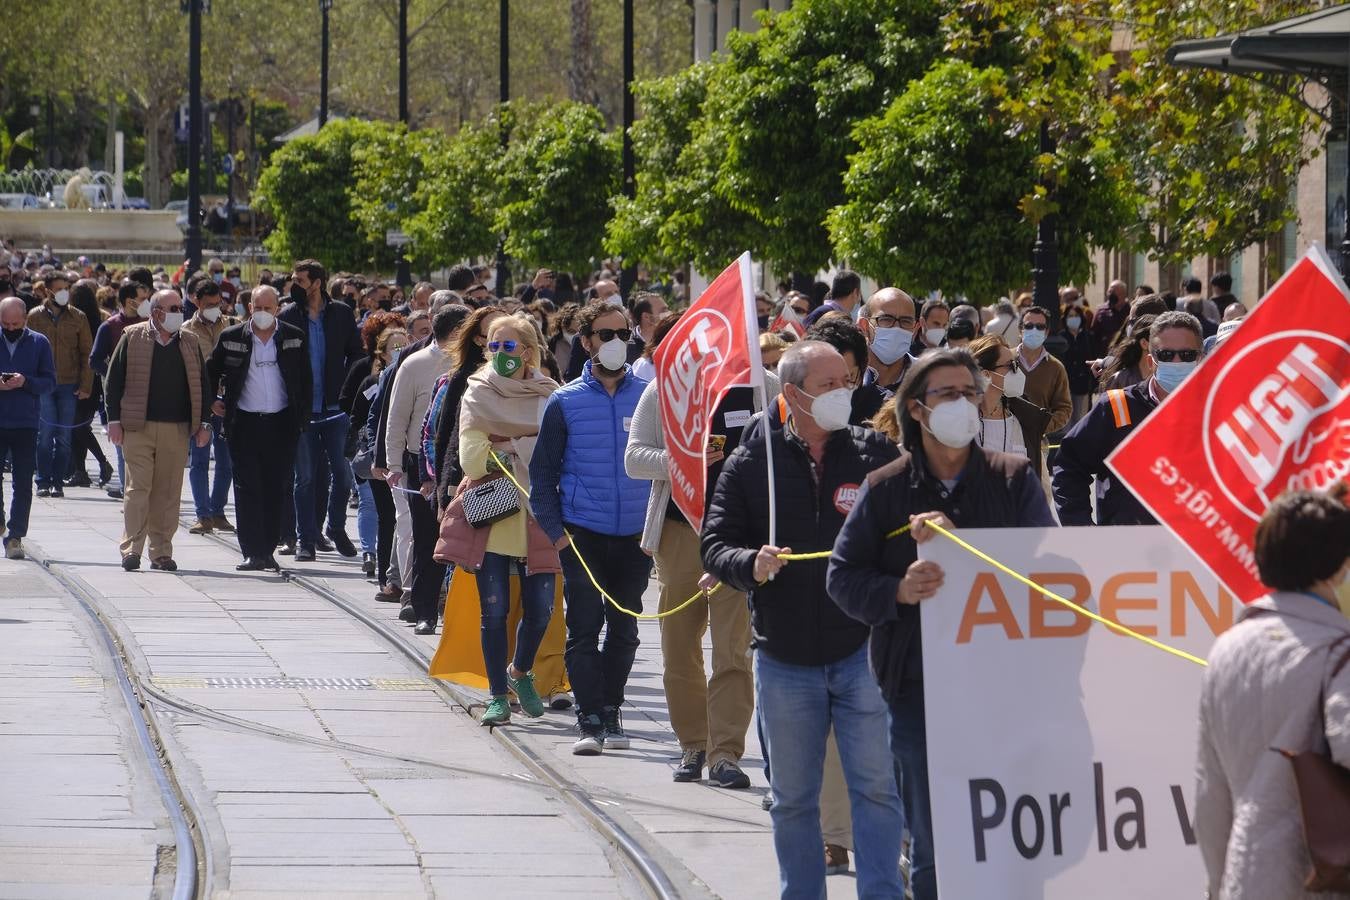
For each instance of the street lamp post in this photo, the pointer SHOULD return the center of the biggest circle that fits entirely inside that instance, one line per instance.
(194, 9)
(1045, 260)
(403, 61)
(324, 7)
(504, 95)
(629, 274)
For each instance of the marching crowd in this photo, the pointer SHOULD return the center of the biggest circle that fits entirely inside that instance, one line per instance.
(519, 436)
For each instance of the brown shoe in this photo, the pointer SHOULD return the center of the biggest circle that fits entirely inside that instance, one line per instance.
(220, 523)
(836, 860)
(201, 526)
(164, 564)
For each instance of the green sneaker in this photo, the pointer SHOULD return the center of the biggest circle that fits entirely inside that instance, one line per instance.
(530, 703)
(498, 712)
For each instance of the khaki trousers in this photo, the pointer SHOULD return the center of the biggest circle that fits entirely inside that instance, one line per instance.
(836, 816)
(706, 714)
(155, 456)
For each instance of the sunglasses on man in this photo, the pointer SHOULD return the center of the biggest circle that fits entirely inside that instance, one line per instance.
(608, 334)
(1173, 355)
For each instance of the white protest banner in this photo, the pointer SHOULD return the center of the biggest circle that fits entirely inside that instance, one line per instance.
(1061, 754)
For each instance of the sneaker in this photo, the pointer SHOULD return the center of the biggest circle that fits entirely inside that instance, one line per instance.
(303, 553)
(498, 712)
(766, 802)
(14, 548)
(691, 766)
(44, 492)
(592, 740)
(220, 523)
(407, 614)
(530, 704)
(115, 493)
(726, 774)
(836, 860)
(201, 526)
(615, 737)
(131, 562)
(368, 564)
(58, 491)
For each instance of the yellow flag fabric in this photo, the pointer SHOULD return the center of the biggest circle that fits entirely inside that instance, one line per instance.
(459, 658)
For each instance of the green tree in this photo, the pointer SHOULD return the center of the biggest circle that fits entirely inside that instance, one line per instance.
(556, 179)
(456, 200)
(390, 167)
(307, 189)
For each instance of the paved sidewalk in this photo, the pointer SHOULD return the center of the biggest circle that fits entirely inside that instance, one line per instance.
(79, 812)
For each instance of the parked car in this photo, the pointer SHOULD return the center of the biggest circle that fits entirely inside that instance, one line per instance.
(137, 203)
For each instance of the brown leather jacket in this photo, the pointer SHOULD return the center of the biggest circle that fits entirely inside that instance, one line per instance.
(68, 332)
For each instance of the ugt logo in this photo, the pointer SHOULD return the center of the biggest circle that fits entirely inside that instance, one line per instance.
(703, 349)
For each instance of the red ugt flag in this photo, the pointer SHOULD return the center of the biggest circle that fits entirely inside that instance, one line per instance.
(714, 348)
(1268, 412)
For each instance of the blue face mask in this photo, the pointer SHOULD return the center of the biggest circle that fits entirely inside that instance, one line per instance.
(1033, 338)
(1170, 375)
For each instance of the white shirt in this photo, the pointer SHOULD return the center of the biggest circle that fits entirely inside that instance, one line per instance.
(264, 388)
(1004, 435)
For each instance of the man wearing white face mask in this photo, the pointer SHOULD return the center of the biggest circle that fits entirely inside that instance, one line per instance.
(811, 668)
(158, 395)
(71, 339)
(206, 325)
(1047, 381)
(945, 477)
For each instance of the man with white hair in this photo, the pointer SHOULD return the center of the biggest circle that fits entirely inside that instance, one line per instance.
(27, 371)
(157, 395)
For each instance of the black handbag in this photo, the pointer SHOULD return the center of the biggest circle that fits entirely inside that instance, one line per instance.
(490, 502)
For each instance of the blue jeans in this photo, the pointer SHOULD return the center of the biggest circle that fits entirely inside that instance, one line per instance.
(20, 445)
(599, 675)
(797, 705)
(494, 597)
(367, 519)
(909, 744)
(199, 462)
(53, 453)
(321, 441)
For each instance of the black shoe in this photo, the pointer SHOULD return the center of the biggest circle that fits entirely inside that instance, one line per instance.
(320, 543)
(287, 549)
(425, 627)
(368, 564)
(615, 737)
(164, 564)
(560, 702)
(343, 543)
(115, 493)
(303, 554)
(407, 614)
(251, 564)
(726, 774)
(131, 562)
(44, 492)
(691, 766)
(271, 564)
(58, 491)
(105, 474)
(81, 480)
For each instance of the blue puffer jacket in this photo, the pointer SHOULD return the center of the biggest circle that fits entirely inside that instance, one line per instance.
(33, 360)
(576, 473)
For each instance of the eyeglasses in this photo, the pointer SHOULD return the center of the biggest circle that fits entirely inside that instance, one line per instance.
(1170, 355)
(1009, 366)
(953, 393)
(503, 346)
(609, 334)
(172, 309)
(1032, 326)
(885, 321)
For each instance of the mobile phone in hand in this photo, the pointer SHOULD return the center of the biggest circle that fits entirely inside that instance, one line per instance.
(716, 442)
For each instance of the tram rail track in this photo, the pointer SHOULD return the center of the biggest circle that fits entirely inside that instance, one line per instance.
(193, 869)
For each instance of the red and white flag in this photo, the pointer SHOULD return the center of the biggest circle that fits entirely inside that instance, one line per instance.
(713, 348)
(1268, 412)
(789, 320)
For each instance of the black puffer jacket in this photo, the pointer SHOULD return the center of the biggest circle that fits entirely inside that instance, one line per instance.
(995, 490)
(793, 618)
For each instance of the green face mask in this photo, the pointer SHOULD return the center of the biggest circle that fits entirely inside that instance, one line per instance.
(505, 364)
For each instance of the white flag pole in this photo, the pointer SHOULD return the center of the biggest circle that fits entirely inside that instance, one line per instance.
(757, 382)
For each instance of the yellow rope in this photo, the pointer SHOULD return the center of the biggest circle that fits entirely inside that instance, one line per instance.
(1116, 626)
(825, 554)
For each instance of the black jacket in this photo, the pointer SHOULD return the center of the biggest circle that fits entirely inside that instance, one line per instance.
(995, 490)
(793, 618)
(229, 362)
(341, 337)
(1079, 352)
(1082, 456)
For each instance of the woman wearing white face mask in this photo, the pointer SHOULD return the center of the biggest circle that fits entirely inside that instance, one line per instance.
(1009, 422)
(946, 477)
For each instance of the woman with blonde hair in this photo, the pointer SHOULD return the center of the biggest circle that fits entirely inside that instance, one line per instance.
(498, 424)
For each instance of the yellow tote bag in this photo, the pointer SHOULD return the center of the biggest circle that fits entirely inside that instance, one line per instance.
(459, 658)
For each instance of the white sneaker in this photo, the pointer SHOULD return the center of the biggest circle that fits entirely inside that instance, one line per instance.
(592, 740)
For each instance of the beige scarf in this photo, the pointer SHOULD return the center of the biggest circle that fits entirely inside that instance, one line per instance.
(509, 409)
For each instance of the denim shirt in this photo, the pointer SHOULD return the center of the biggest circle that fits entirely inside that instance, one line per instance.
(317, 350)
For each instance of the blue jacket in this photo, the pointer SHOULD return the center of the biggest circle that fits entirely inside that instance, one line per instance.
(33, 360)
(576, 474)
